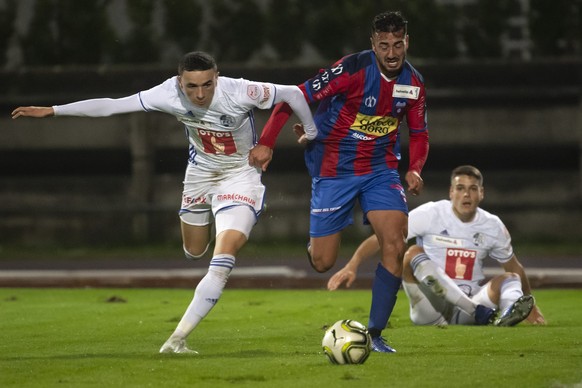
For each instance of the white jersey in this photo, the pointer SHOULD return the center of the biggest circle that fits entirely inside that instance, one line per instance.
(221, 135)
(459, 247)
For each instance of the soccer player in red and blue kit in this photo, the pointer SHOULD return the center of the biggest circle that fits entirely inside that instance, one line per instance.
(364, 97)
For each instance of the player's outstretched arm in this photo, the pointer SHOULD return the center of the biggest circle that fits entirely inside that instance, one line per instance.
(348, 273)
(33, 111)
(513, 265)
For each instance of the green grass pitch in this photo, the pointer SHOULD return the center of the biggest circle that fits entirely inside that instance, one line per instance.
(269, 338)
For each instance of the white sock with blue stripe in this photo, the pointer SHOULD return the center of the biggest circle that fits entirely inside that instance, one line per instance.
(207, 294)
(510, 292)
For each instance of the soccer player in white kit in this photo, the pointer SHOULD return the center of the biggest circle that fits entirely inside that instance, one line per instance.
(219, 183)
(443, 271)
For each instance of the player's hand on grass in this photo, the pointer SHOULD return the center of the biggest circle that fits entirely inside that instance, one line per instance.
(344, 275)
(536, 317)
(415, 182)
(33, 111)
(260, 156)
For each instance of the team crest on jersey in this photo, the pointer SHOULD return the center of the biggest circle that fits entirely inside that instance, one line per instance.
(227, 121)
(376, 126)
(406, 91)
(217, 143)
(253, 91)
(478, 239)
(370, 101)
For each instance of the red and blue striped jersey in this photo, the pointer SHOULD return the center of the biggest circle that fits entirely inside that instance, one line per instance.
(359, 118)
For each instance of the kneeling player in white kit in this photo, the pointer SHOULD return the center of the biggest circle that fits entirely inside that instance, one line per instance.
(443, 272)
(219, 183)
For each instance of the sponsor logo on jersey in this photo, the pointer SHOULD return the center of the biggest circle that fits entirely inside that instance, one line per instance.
(325, 209)
(446, 241)
(190, 119)
(187, 201)
(325, 76)
(253, 91)
(359, 136)
(266, 94)
(376, 126)
(406, 91)
(236, 198)
(459, 263)
(217, 143)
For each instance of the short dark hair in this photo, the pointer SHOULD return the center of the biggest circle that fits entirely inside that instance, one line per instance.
(469, 171)
(196, 61)
(392, 21)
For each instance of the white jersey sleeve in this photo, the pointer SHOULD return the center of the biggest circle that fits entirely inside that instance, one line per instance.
(265, 95)
(501, 250)
(100, 107)
(293, 96)
(419, 221)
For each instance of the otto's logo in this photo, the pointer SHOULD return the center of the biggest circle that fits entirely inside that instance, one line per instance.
(214, 142)
(462, 253)
(376, 126)
(459, 263)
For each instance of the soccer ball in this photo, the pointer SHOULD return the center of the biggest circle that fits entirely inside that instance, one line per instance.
(346, 342)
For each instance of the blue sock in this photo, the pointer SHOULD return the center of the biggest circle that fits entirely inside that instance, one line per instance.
(384, 292)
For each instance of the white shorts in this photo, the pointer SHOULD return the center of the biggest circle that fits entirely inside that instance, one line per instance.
(428, 309)
(207, 192)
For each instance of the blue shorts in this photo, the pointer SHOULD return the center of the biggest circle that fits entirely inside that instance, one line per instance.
(333, 199)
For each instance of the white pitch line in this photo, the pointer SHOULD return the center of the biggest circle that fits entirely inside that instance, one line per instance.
(560, 275)
(268, 271)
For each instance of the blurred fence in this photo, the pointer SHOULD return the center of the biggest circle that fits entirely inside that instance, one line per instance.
(118, 179)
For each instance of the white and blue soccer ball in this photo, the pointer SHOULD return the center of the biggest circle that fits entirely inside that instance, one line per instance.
(347, 342)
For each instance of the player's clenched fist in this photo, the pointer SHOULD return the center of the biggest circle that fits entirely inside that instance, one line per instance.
(33, 111)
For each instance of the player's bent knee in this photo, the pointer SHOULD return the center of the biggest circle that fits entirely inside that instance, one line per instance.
(321, 265)
(193, 254)
(511, 275)
(412, 251)
(321, 268)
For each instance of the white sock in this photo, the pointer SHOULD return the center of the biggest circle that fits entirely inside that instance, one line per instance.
(207, 294)
(436, 279)
(510, 291)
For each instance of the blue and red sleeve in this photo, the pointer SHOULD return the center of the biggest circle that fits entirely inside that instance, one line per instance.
(418, 132)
